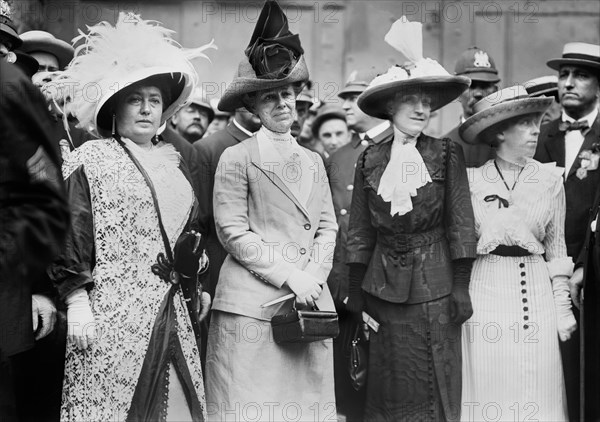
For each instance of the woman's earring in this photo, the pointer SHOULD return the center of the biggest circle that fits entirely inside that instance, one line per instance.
(114, 118)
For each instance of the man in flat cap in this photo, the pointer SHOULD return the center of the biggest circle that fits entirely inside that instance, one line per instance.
(330, 128)
(479, 66)
(572, 141)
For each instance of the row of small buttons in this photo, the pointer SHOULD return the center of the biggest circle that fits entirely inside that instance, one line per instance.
(524, 292)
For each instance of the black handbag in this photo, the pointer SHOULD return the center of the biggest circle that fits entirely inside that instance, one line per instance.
(359, 359)
(305, 326)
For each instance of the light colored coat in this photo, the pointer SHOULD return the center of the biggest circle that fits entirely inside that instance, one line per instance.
(268, 231)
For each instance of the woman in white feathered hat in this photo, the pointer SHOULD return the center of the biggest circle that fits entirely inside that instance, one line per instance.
(410, 241)
(132, 350)
(521, 305)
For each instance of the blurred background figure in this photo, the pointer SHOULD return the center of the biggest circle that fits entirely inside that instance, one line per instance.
(27, 64)
(192, 121)
(220, 120)
(330, 128)
(9, 39)
(477, 65)
(546, 86)
(304, 102)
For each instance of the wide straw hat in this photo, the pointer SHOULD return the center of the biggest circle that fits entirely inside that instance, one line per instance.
(274, 58)
(111, 58)
(42, 41)
(498, 107)
(421, 75)
(579, 54)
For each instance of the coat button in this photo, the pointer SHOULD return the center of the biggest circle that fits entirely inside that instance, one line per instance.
(525, 326)
(522, 265)
(525, 308)
(302, 251)
(523, 291)
(524, 300)
(350, 187)
(364, 142)
(307, 226)
(343, 211)
(523, 274)
(522, 282)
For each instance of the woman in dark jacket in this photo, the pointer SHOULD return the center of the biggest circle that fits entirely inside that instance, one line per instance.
(410, 246)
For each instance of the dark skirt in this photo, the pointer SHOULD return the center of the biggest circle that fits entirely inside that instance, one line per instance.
(414, 362)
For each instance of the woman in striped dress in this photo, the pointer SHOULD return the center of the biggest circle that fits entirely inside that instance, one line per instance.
(521, 307)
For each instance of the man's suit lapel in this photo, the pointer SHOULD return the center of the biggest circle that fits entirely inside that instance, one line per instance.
(258, 161)
(556, 144)
(592, 137)
(236, 132)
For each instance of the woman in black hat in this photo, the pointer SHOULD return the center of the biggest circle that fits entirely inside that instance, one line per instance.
(274, 217)
(521, 307)
(410, 242)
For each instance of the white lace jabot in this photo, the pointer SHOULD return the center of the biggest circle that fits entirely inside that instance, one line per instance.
(404, 174)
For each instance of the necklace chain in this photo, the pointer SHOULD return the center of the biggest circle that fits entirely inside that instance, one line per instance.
(504, 181)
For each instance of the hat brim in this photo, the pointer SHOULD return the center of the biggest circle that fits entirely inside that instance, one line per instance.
(26, 63)
(59, 48)
(178, 82)
(472, 129)
(247, 82)
(557, 63)
(351, 90)
(442, 90)
(482, 76)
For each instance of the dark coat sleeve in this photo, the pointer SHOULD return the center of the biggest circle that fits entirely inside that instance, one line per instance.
(459, 218)
(33, 208)
(73, 269)
(361, 233)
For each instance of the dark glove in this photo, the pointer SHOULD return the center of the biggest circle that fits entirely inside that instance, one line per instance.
(356, 301)
(461, 308)
(187, 253)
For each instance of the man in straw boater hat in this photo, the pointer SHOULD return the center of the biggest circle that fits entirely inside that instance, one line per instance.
(274, 216)
(129, 268)
(477, 65)
(570, 142)
(411, 202)
(520, 277)
(545, 86)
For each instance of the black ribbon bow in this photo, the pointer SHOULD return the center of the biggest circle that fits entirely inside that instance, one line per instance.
(568, 126)
(501, 201)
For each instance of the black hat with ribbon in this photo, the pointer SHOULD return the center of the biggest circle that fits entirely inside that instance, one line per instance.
(274, 58)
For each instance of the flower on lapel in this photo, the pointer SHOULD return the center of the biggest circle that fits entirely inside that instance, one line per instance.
(589, 160)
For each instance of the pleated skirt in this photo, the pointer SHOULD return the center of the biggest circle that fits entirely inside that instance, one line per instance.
(512, 369)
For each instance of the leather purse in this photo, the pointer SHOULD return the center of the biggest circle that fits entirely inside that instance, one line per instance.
(305, 326)
(359, 359)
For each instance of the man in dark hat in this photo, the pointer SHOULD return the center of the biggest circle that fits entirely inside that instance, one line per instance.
(571, 141)
(546, 86)
(34, 219)
(477, 65)
(330, 128)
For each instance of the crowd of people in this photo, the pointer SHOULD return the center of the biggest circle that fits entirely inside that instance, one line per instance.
(143, 283)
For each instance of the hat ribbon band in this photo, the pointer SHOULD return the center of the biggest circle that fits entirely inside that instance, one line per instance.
(488, 104)
(581, 56)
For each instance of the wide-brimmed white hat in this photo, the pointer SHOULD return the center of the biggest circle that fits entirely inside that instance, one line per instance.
(421, 74)
(274, 58)
(578, 53)
(45, 42)
(111, 58)
(498, 107)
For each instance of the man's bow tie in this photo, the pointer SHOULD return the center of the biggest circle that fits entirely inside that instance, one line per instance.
(567, 126)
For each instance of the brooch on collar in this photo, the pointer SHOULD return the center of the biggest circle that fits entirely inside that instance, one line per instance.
(589, 160)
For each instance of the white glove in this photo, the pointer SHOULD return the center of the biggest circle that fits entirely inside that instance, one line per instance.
(82, 326)
(565, 321)
(43, 310)
(306, 287)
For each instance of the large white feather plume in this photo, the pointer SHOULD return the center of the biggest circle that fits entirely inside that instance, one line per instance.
(108, 58)
(407, 38)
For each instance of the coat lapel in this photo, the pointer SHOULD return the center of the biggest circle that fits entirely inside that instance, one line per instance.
(377, 158)
(591, 138)
(271, 156)
(556, 144)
